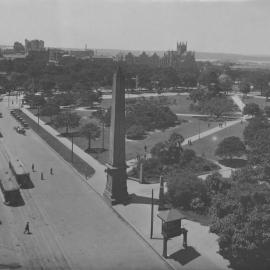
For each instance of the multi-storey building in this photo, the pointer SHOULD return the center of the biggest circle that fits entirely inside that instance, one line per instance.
(34, 45)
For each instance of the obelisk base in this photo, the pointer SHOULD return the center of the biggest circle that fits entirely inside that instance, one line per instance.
(116, 186)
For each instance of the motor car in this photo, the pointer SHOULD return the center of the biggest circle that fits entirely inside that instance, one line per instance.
(20, 130)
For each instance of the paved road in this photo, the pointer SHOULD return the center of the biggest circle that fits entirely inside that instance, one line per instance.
(72, 226)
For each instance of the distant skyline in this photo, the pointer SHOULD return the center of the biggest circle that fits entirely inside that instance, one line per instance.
(224, 26)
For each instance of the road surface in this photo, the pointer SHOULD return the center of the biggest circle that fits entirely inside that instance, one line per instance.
(72, 227)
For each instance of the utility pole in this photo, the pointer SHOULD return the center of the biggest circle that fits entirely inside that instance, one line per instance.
(103, 130)
(71, 148)
(152, 214)
(38, 114)
(199, 129)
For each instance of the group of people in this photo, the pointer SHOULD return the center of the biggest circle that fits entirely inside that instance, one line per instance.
(27, 226)
(189, 142)
(221, 124)
(41, 174)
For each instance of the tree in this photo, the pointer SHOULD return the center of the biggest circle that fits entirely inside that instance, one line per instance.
(176, 139)
(50, 109)
(104, 116)
(208, 76)
(217, 106)
(252, 109)
(244, 87)
(169, 152)
(230, 147)
(225, 82)
(90, 131)
(67, 120)
(217, 184)
(184, 188)
(197, 95)
(135, 132)
(267, 111)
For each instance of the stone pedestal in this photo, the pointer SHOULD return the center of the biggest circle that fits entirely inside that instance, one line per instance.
(116, 186)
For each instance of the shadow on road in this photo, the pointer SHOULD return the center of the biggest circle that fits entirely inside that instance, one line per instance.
(10, 266)
(184, 256)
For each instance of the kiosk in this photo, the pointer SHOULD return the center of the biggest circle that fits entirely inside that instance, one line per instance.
(171, 227)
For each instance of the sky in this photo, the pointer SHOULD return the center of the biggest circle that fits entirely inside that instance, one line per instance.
(229, 26)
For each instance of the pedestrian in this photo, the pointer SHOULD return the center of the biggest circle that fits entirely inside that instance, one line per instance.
(41, 176)
(27, 229)
(208, 124)
(145, 148)
(51, 171)
(33, 167)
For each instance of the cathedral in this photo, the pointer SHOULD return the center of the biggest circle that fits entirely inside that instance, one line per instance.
(169, 59)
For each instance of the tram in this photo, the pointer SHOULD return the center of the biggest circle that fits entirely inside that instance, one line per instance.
(10, 189)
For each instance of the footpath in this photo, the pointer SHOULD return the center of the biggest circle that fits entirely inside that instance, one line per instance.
(202, 252)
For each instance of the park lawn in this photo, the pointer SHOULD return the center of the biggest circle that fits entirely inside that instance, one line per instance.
(134, 147)
(189, 127)
(177, 103)
(206, 147)
(260, 101)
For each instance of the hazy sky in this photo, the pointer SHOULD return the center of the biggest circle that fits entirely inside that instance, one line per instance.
(214, 25)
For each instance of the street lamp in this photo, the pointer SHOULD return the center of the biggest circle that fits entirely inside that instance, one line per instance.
(199, 129)
(38, 113)
(71, 148)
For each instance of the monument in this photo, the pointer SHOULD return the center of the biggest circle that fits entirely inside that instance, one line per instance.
(116, 186)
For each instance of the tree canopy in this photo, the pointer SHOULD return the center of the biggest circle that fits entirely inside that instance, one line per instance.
(230, 147)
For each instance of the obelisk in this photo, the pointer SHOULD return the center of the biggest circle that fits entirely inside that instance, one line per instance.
(116, 186)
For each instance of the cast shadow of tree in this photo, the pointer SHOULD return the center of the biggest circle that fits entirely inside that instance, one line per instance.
(233, 163)
(186, 255)
(141, 200)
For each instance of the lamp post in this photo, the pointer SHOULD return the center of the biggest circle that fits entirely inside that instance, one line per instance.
(152, 214)
(161, 205)
(71, 148)
(38, 113)
(199, 129)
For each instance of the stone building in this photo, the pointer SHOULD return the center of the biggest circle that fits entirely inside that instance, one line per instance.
(34, 45)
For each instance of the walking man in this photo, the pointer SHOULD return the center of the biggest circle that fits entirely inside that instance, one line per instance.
(33, 167)
(27, 229)
(145, 148)
(51, 171)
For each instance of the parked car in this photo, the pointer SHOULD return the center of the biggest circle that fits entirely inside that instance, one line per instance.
(20, 130)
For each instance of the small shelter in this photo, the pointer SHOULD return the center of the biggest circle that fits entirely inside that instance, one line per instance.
(171, 227)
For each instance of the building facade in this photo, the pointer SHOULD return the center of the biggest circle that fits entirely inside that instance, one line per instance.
(170, 58)
(34, 45)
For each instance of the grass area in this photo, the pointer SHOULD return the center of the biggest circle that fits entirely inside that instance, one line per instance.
(61, 149)
(260, 101)
(207, 146)
(177, 103)
(189, 127)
